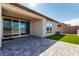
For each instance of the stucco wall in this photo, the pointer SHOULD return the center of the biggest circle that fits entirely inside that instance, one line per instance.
(36, 27)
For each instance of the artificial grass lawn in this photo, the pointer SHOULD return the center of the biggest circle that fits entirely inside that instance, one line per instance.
(70, 38)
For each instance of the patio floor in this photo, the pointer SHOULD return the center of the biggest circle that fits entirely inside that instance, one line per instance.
(25, 46)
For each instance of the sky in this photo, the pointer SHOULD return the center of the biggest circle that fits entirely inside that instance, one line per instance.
(61, 12)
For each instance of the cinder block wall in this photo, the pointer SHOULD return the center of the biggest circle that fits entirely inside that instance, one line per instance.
(68, 29)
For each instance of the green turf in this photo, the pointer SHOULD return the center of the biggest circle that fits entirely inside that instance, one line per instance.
(70, 38)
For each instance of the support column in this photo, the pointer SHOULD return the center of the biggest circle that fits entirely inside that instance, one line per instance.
(44, 27)
(1, 26)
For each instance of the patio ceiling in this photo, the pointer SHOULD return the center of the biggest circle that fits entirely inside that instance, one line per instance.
(11, 10)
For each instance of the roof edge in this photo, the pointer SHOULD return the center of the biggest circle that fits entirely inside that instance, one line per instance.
(26, 8)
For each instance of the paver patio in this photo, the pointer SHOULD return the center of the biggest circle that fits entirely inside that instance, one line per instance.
(62, 49)
(25, 46)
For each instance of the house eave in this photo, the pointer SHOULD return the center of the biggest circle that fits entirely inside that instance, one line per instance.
(26, 8)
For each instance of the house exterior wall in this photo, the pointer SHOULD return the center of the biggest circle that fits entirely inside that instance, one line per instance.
(37, 23)
(54, 27)
(36, 27)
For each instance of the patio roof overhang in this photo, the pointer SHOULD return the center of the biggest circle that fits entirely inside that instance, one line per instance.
(17, 12)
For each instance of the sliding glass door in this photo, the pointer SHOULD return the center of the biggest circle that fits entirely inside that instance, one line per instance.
(7, 28)
(12, 27)
(15, 28)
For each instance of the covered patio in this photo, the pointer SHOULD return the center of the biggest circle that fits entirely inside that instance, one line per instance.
(11, 18)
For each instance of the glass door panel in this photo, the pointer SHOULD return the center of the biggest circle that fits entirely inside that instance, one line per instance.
(22, 27)
(7, 27)
(15, 28)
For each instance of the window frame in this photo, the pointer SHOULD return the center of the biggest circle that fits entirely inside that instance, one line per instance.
(49, 27)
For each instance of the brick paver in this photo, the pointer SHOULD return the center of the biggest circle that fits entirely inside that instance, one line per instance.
(25, 46)
(62, 49)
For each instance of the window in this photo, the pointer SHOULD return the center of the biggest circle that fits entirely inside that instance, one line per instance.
(49, 27)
